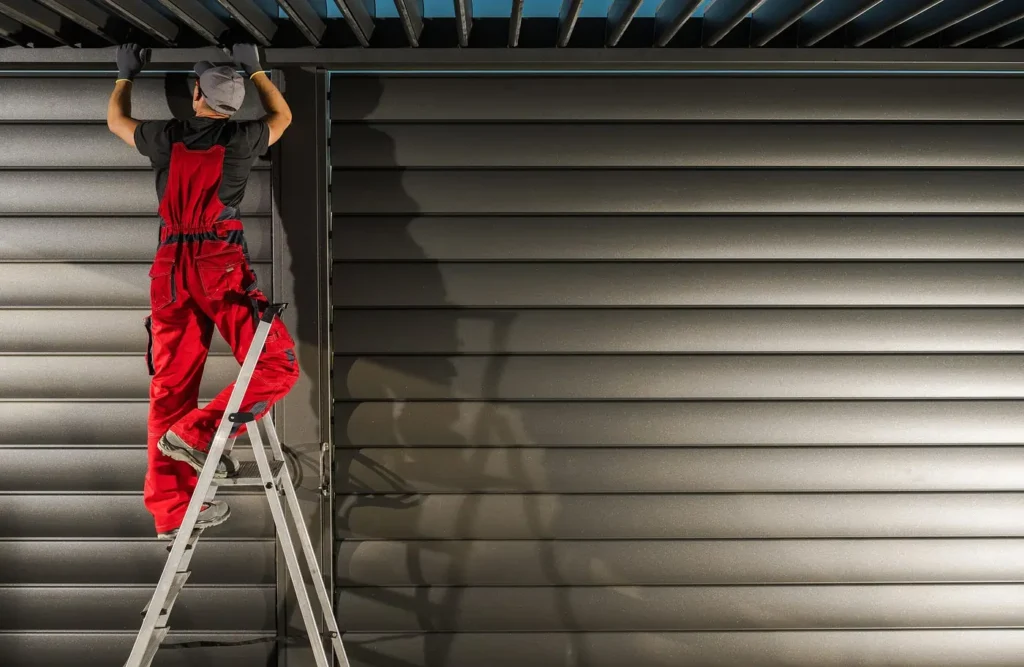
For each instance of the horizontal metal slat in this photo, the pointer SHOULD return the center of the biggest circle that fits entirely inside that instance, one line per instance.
(96, 378)
(110, 516)
(664, 470)
(872, 648)
(86, 331)
(688, 97)
(80, 469)
(714, 237)
(673, 191)
(508, 285)
(647, 145)
(647, 377)
(123, 562)
(37, 99)
(679, 562)
(70, 285)
(102, 193)
(35, 649)
(67, 146)
(117, 608)
(73, 423)
(664, 331)
(113, 239)
(667, 609)
(661, 423)
(672, 516)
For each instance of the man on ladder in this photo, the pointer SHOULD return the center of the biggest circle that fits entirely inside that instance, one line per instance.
(200, 277)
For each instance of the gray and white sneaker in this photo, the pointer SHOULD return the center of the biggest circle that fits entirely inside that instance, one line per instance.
(172, 446)
(213, 514)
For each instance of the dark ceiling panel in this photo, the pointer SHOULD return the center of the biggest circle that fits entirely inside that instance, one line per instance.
(464, 20)
(774, 17)
(939, 18)
(515, 25)
(884, 17)
(1008, 35)
(144, 17)
(410, 13)
(38, 18)
(253, 18)
(306, 18)
(984, 22)
(724, 15)
(828, 17)
(359, 16)
(567, 17)
(90, 17)
(620, 14)
(197, 16)
(670, 17)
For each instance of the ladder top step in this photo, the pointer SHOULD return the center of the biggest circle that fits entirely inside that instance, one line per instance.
(249, 474)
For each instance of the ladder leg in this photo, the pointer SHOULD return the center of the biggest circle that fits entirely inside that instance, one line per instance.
(308, 551)
(288, 547)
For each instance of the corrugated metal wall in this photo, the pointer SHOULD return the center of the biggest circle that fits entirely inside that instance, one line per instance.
(679, 370)
(78, 555)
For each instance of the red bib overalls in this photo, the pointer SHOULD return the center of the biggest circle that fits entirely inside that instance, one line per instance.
(200, 279)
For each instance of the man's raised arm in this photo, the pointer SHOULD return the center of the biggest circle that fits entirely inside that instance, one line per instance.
(279, 114)
(130, 61)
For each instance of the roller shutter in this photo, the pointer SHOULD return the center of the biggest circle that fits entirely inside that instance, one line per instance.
(679, 370)
(78, 554)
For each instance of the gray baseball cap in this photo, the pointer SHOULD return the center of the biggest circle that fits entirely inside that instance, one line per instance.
(221, 86)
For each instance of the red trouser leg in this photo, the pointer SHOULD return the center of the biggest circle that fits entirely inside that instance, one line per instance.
(180, 340)
(220, 280)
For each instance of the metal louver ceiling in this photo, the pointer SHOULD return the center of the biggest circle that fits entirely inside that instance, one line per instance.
(501, 23)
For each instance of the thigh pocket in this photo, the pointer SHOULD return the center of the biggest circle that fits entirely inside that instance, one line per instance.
(161, 284)
(222, 273)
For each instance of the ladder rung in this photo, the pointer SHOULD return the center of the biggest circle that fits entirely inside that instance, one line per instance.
(249, 474)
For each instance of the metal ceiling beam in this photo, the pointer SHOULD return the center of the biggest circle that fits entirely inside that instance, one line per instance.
(196, 16)
(620, 14)
(886, 16)
(145, 18)
(721, 17)
(463, 20)
(774, 18)
(305, 19)
(359, 16)
(670, 17)
(411, 14)
(889, 62)
(943, 16)
(36, 17)
(827, 17)
(567, 17)
(251, 17)
(983, 23)
(515, 25)
(85, 14)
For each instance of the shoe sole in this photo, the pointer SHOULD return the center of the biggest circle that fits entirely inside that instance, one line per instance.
(185, 456)
(200, 525)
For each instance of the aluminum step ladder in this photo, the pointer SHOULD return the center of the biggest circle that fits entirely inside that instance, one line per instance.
(275, 479)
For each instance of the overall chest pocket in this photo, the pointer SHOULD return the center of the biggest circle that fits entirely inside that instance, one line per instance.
(223, 273)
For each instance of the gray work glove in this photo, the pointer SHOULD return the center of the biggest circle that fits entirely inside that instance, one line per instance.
(130, 60)
(247, 56)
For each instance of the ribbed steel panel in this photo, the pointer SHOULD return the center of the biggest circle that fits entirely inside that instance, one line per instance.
(655, 378)
(608, 238)
(670, 470)
(660, 423)
(665, 608)
(77, 547)
(664, 192)
(399, 516)
(677, 562)
(684, 284)
(871, 648)
(690, 97)
(623, 357)
(647, 145)
(109, 648)
(672, 331)
(106, 239)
